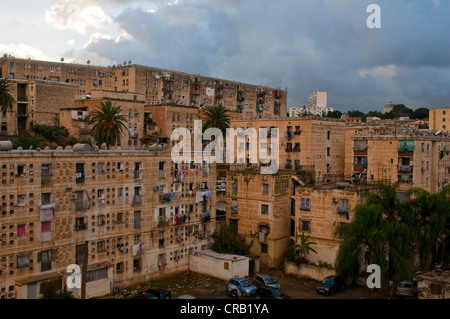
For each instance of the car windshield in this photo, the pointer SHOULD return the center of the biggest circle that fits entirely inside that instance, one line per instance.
(276, 293)
(244, 283)
(270, 281)
(165, 294)
(328, 281)
(405, 285)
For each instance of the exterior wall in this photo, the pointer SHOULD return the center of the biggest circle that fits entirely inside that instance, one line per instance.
(250, 218)
(427, 166)
(157, 85)
(132, 106)
(440, 119)
(36, 102)
(220, 266)
(308, 271)
(318, 148)
(111, 225)
(320, 219)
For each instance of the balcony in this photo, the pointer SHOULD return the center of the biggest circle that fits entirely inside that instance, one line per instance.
(342, 210)
(137, 200)
(169, 197)
(137, 174)
(22, 99)
(206, 217)
(79, 178)
(288, 149)
(46, 180)
(297, 149)
(79, 227)
(163, 221)
(82, 205)
(405, 168)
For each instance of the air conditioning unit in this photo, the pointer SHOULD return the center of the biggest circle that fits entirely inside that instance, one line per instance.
(74, 196)
(335, 200)
(11, 295)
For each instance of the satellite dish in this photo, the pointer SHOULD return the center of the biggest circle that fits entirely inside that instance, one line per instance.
(88, 62)
(62, 59)
(438, 132)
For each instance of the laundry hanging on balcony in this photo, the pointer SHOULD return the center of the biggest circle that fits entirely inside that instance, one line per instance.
(179, 219)
(138, 248)
(47, 212)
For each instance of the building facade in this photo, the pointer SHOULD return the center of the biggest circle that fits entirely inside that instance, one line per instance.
(141, 215)
(439, 120)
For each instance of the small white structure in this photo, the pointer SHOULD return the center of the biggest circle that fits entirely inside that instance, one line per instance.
(222, 266)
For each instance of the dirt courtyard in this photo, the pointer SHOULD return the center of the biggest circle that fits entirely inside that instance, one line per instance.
(205, 287)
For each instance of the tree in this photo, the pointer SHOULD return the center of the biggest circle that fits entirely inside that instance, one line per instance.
(421, 113)
(230, 242)
(108, 123)
(382, 228)
(30, 141)
(6, 99)
(216, 117)
(296, 253)
(53, 293)
(432, 213)
(334, 114)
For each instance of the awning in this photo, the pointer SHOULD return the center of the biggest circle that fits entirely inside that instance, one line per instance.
(298, 180)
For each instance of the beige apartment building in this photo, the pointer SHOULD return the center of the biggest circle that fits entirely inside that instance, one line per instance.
(312, 143)
(439, 119)
(257, 208)
(157, 85)
(318, 211)
(37, 102)
(414, 158)
(141, 215)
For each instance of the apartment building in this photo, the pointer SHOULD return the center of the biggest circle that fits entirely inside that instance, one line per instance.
(140, 214)
(132, 107)
(36, 102)
(317, 143)
(414, 158)
(159, 86)
(439, 119)
(257, 208)
(318, 211)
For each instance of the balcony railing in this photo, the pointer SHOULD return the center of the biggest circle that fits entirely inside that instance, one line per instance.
(79, 227)
(82, 205)
(137, 174)
(79, 178)
(46, 180)
(138, 200)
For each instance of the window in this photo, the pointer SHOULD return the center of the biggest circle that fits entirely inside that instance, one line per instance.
(45, 258)
(234, 206)
(234, 186)
(21, 200)
(119, 268)
(21, 230)
(100, 220)
(119, 192)
(305, 225)
(328, 151)
(137, 219)
(96, 274)
(101, 246)
(120, 166)
(265, 188)
(264, 248)
(264, 209)
(305, 203)
(329, 135)
(161, 239)
(23, 260)
(137, 264)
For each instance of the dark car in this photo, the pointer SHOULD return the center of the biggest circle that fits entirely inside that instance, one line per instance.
(270, 293)
(262, 280)
(157, 292)
(331, 285)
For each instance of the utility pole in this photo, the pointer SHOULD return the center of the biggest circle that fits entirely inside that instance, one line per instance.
(84, 269)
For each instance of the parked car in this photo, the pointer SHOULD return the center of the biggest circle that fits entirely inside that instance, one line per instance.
(240, 287)
(158, 293)
(331, 285)
(270, 293)
(263, 280)
(407, 288)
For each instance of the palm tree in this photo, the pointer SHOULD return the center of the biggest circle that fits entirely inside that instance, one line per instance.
(26, 142)
(382, 227)
(432, 212)
(297, 252)
(6, 100)
(216, 117)
(108, 123)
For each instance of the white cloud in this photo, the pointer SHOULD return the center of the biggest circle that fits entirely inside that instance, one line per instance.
(74, 16)
(23, 51)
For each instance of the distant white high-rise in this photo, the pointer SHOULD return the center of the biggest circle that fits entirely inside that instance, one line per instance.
(317, 106)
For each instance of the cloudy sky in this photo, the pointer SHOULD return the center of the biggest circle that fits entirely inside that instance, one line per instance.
(301, 45)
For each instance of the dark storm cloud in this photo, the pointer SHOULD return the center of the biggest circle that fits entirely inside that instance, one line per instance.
(302, 45)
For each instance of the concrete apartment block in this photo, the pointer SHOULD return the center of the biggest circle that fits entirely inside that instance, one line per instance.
(439, 119)
(141, 215)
